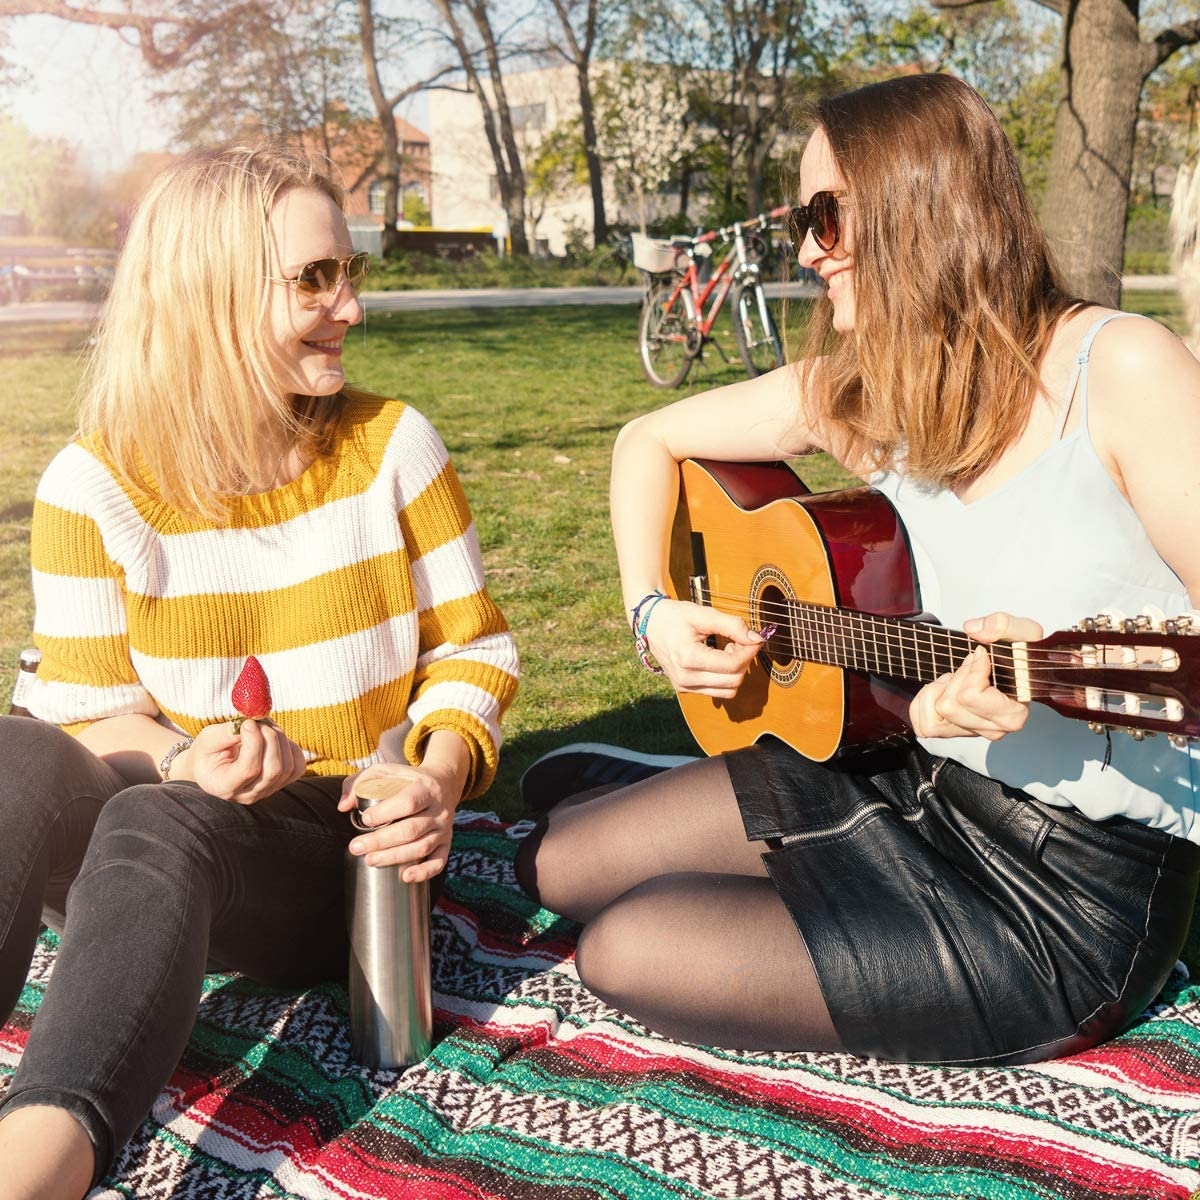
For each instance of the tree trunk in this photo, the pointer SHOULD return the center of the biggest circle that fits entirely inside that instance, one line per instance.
(514, 201)
(1087, 184)
(389, 159)
(594, 167)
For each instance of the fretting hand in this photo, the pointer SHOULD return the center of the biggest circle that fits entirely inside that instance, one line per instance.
(965, 703)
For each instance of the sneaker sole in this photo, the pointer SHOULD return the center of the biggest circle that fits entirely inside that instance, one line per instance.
(665, 761)
(654, 762)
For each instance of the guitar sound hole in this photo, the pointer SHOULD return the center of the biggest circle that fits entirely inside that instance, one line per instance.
(772, 609)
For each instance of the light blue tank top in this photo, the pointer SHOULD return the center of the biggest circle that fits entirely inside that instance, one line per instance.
(1058, 543)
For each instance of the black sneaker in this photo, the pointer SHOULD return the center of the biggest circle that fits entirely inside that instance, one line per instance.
(582, 766)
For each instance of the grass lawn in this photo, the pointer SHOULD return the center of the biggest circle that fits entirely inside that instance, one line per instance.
(529, 402)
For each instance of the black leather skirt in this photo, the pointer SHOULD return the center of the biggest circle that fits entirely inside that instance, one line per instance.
(953, 919)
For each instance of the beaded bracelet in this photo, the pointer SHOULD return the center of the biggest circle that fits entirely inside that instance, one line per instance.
(640, 621)
(637, 608)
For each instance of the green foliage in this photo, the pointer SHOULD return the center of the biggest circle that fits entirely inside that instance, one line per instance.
(1147, 230)
(43, 178)
(414, 209)
(578, 240)
(559, 164)
(1148, 262)
(1007, 53)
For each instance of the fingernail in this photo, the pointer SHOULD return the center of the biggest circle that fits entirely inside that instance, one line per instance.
(974, 625)
(356, 847)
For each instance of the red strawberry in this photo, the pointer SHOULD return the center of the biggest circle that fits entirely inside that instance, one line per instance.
(251, 693)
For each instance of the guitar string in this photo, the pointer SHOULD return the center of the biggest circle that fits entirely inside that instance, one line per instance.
(871, 634)
(893, 629)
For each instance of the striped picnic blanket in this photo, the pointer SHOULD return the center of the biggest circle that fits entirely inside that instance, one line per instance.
(536, 1090)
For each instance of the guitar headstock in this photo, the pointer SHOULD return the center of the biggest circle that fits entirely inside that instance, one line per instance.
(1140, 674)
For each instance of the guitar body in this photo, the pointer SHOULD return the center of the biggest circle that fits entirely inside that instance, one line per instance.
(753, 531)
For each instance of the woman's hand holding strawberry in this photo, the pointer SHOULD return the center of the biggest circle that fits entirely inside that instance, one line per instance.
(242, 767)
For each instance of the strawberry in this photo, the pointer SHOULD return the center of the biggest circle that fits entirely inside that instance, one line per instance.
(251, 693)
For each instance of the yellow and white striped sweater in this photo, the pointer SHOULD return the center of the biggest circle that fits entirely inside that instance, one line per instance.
(359, 587)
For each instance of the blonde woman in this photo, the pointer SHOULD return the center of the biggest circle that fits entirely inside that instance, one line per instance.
(228, 496)
(1005, 894)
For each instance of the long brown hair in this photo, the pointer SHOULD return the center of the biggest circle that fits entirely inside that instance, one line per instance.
(181, 376)
(956, 293)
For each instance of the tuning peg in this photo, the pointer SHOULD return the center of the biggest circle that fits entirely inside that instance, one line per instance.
(1151, 617)
(1096, 727)
(1140, 735)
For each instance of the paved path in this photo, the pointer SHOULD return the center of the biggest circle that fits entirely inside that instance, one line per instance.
(81, 312)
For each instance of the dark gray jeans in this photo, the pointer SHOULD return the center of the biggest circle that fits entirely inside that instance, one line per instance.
(157, 883)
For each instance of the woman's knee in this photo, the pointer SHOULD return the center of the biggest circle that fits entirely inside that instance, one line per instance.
(546, 867)
(42, 765)
(616, 948)
(153, 823)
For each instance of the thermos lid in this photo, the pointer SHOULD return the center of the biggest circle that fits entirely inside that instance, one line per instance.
(370, 792)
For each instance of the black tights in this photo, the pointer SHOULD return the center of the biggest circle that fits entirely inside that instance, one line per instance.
(682, 927)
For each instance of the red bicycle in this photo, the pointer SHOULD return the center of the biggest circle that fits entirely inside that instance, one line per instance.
(676, 325)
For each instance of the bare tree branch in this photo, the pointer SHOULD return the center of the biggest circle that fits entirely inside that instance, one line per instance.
(1058, 6)
(1166, 42)
(185, 32)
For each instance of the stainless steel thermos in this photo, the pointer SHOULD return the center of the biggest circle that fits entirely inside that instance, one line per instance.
(391, 996)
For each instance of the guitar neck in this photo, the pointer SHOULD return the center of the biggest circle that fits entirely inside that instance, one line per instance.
(898, 649)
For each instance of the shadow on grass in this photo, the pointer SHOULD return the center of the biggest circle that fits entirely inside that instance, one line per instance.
(21, 511)
(651, 726)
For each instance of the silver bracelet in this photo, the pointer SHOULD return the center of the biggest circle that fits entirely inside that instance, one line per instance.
(164, 767)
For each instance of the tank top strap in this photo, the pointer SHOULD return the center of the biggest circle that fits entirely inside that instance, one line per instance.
(1079, 373)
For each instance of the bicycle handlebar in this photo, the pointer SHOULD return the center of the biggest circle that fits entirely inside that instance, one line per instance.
(762, 221)
(726, 232)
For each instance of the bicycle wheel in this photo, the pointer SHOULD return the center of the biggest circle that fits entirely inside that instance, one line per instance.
(662, 338)
(757, 343)
(610, 269)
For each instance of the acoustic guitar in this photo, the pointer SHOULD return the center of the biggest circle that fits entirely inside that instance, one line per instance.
(833, 574)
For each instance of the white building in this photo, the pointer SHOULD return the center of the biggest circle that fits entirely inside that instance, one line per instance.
(464, 186)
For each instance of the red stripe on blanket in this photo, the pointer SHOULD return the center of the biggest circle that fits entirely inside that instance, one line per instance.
(345, 1166)
(869, 1116)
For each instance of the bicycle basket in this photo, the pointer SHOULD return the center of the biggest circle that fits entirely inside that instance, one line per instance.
(653, 255)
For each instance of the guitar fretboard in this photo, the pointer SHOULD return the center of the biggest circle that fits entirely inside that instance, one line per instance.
(915, 650)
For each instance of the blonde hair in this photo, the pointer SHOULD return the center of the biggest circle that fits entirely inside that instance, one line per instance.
(956, 294)
(181, 375)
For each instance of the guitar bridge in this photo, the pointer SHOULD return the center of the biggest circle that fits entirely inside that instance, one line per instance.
(698, 590)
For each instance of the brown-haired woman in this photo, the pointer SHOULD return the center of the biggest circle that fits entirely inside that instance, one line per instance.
(1007, 893)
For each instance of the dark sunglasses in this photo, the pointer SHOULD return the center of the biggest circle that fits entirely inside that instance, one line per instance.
(318, 282)
(820, 215)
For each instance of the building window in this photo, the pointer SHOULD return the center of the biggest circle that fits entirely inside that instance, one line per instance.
(375, 197)
(526, 118)
(529, 117)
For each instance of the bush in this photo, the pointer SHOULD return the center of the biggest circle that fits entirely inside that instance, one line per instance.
(1147, 230)
(1148, 262)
